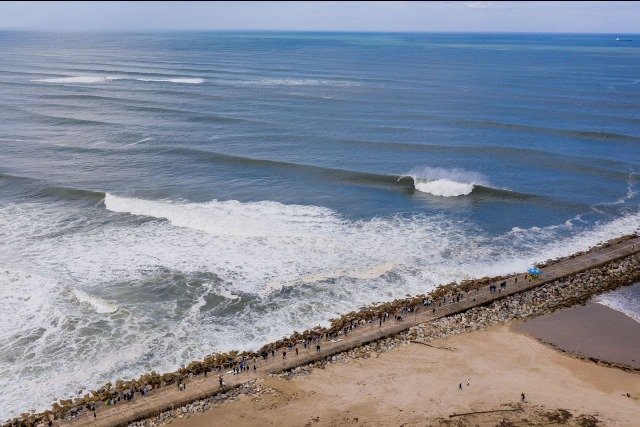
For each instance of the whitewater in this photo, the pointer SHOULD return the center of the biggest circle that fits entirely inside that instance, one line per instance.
(106, 79)
(258, 254)
(445, 182)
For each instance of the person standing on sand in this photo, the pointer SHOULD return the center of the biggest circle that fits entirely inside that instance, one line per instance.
(460, 386)
(220, 380)
(522, 396)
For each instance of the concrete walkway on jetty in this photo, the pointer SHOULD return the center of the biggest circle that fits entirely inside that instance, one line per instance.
(200, 387)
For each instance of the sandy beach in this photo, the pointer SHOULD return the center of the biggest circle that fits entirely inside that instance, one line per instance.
(418, 384)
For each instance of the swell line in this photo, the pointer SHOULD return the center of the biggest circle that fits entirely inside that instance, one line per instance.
(571, 133)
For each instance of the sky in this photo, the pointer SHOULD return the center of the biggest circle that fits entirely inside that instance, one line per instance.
(472, 16)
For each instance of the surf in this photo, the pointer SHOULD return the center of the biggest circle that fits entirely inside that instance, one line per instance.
(182, 80)
(99, 305)
(445, 182)
(91, 79)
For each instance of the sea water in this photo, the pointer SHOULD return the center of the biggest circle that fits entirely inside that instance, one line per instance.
(167, 195)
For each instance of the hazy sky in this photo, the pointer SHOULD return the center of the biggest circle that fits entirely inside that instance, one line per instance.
(533, 16)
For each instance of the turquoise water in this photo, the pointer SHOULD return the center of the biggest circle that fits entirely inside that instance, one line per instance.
(167, 195)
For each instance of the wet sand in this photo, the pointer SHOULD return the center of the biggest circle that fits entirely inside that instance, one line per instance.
(419, 385)
(592, 331)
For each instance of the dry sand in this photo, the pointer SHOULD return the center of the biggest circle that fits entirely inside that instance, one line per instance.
(418, 385)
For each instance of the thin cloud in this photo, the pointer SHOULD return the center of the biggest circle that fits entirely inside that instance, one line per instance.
(479, 4)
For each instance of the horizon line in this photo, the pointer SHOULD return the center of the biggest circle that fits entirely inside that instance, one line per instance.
(317, 31)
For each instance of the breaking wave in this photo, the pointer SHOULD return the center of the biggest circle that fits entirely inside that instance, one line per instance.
(407, 183)
(184, 80)
(99, 305)
(305, 82)
(444, 187)
(77, 79)
(229, 218)
(445, 182)
(104, 79)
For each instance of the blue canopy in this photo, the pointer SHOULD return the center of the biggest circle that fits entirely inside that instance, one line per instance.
(534, 270)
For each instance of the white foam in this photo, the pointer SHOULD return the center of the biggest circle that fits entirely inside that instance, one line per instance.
(304, 82)
(444, 188)
(182, 80)
(364, 274)
(631, 193)
(99, 305)
(104, 79)
(445, 182)
(229, 218)
(223, 292)
(77, 79)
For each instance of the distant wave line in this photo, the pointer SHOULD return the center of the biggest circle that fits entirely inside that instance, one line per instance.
(572, 133)
(104, 79)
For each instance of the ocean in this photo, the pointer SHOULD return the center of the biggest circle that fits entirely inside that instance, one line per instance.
(168, 195)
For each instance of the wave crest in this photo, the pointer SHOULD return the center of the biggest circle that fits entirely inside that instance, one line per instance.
(99, 305)
(229, 218)
(103, 79)
(183, 80)
(443, 187)
(76, 79)
(445, 182)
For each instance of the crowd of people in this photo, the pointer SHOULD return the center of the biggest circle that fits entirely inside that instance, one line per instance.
(246, 364)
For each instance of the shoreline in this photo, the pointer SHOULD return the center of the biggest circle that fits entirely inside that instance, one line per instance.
(606, 260)
(591, 332)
